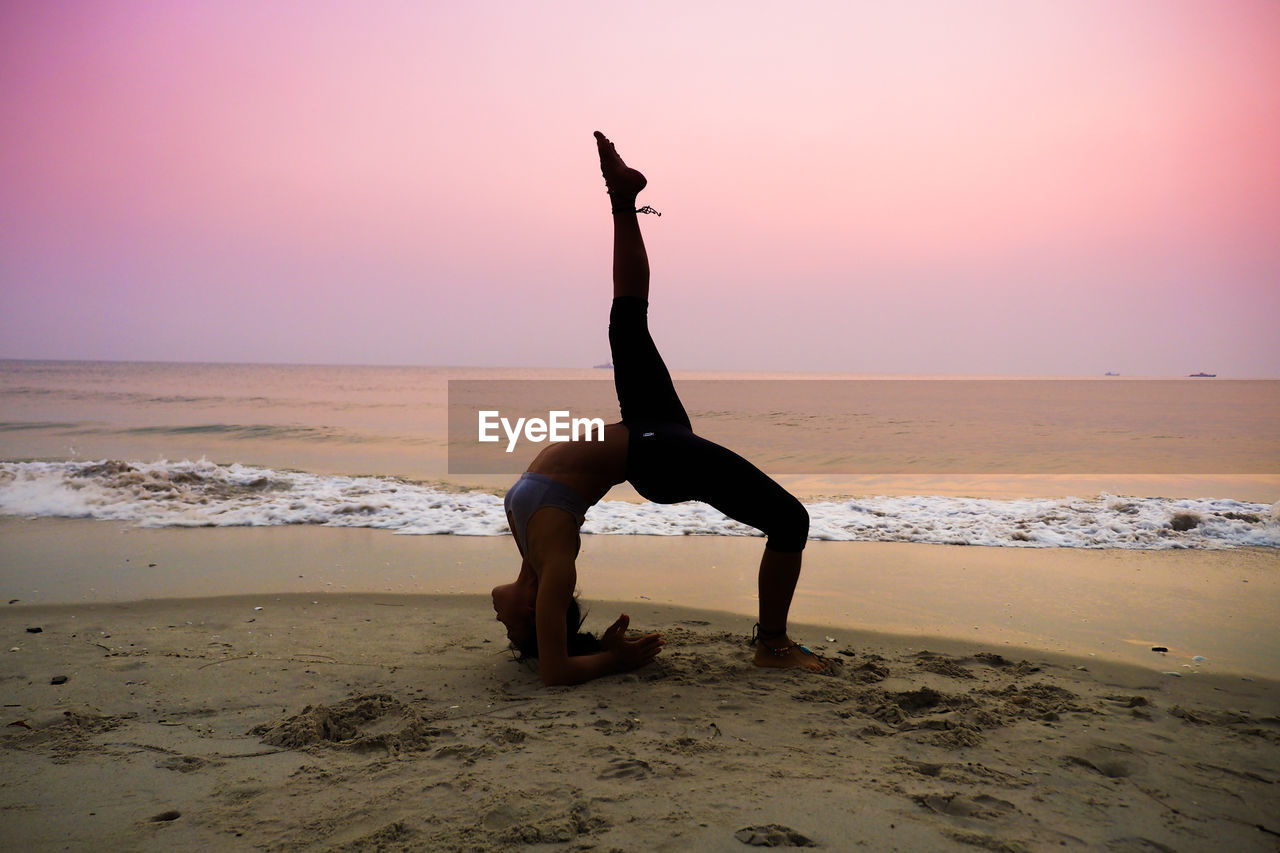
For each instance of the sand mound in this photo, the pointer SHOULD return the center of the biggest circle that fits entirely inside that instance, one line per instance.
(63, 738)
(373, 721)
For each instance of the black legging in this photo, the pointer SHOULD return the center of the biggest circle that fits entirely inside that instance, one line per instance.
(667, 463)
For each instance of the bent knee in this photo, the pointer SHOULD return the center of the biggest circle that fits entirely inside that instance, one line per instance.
(790, 528)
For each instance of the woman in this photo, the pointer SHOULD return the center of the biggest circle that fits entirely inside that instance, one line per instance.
(655, 449)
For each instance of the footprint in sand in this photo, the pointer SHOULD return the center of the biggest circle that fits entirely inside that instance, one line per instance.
(773, 835)
(983, 806)
(186, 763)
(625, 768)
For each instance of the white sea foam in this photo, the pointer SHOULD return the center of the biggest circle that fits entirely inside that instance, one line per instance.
(205, 494)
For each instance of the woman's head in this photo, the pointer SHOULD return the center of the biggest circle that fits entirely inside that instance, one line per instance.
(524, 635)
(514, 604)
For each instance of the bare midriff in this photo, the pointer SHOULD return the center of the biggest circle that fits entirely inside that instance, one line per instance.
(590, 468)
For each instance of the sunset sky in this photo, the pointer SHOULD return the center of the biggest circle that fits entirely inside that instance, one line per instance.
(1015, 187)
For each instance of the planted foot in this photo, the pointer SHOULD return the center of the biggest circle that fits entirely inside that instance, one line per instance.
(622, 182)
(784, 654)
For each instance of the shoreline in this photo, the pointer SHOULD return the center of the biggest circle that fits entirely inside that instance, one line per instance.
(1103, 604)
(398, 722)
(830, 641)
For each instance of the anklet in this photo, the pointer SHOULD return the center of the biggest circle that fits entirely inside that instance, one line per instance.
(628, 205)
(759, 634)
(629, 209)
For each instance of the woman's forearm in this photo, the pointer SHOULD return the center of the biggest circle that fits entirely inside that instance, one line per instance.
(576, 670)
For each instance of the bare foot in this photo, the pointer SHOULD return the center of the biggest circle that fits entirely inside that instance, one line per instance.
(785, 654)
(621, 180)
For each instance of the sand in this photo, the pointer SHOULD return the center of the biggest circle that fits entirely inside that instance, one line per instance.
(386, 721)
(1113, 604)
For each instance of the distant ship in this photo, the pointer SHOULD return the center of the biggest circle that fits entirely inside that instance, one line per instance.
(1202, 375)
(1110, 373)
(608, 365)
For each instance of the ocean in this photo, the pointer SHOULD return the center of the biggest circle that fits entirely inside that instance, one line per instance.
(1014, 462)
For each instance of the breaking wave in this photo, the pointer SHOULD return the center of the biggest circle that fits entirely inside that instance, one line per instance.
(206, 494)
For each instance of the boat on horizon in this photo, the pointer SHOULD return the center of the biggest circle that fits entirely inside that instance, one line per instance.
(1201, 375)
(1111, 373)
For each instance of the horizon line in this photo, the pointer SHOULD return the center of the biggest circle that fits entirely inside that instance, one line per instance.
(678, 370)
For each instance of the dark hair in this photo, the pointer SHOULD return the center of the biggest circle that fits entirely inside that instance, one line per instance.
(580, 642)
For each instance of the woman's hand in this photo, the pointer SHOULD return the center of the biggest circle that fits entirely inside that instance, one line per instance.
(630, 652)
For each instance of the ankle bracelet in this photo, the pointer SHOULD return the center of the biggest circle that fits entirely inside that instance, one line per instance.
(759, 635)
(628, 205)
(629, 209)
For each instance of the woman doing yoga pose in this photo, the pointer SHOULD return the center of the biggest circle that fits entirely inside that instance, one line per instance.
(655, 449)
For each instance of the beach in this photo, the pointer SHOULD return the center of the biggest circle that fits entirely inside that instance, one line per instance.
(248, 610)
(958, 315)
(346, 710)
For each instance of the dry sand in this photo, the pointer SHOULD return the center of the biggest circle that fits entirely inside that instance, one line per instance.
(398, 722)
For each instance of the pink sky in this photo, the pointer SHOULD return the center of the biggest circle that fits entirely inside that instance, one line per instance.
(1012, 187)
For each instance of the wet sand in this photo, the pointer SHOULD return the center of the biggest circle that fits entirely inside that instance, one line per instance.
(1112, 604)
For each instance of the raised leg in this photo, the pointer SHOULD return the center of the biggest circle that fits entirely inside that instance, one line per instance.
(646, 394)
(630, 260)
(645, 391)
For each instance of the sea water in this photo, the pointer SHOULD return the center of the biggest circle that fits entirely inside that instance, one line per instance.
(1189, 463)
